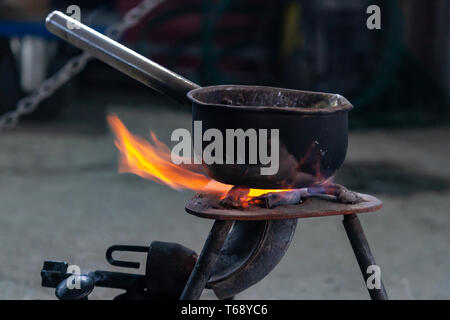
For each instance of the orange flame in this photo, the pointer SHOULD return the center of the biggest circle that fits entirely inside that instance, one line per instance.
(152, 160)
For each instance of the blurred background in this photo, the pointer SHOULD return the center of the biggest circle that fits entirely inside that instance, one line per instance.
(62, 198)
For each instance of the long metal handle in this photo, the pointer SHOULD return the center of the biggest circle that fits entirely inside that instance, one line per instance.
(120, 57)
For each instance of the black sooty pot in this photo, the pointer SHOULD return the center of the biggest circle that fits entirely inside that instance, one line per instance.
(312, 126)
(313, 133)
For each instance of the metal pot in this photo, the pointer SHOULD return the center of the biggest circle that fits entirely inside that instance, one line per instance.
(313, 126)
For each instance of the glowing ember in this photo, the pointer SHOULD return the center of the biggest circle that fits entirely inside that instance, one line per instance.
(152, 160)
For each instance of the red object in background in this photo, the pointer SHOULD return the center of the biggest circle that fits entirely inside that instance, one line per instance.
(179, 28)
(170, 31)
(182, 25)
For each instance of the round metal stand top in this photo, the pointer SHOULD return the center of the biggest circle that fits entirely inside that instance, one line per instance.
(207, 206)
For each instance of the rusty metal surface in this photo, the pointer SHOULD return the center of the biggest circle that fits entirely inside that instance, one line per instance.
(207, 206)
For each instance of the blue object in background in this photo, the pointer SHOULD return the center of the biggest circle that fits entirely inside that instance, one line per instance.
(10, 28)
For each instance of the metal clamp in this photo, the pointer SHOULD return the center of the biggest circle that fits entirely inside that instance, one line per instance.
(121, 263)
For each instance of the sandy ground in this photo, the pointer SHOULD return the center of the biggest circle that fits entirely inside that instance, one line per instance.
(62, 198)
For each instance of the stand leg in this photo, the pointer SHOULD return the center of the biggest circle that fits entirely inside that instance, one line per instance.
(206, 261)
(362, 252)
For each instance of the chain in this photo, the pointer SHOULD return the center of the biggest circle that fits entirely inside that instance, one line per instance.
(74, 66)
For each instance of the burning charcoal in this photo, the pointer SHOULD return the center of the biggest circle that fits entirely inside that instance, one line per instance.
(274, 199)
(342, 193)
(258, 201)
(347, 196)
(322, 196)
(319, 190)
(234, 197)
(237, 196)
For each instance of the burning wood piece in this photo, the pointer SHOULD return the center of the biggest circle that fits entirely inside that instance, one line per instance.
(342, 194)
(346, 196)
(238, 198)
(235, 198)
(274, 199)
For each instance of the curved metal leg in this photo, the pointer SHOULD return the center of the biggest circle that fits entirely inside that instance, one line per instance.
(362, 252)
(251, 251)
(207, 260)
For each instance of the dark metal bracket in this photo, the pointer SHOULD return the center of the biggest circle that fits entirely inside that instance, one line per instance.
(125, 264)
